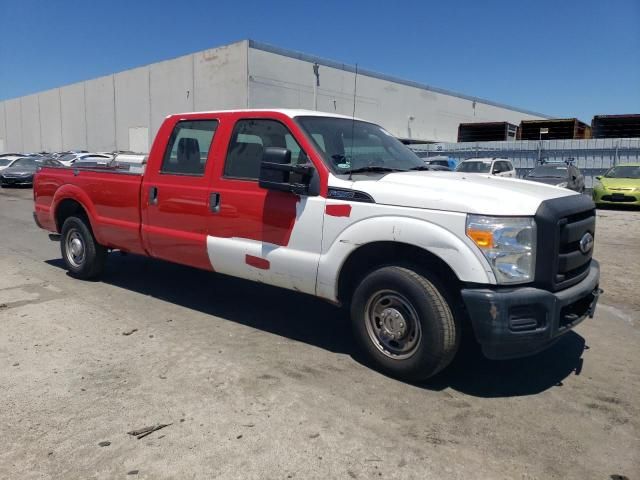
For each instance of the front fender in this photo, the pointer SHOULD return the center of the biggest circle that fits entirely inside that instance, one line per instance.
(457, 251)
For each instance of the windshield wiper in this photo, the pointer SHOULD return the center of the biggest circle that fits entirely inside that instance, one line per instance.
(420, 168)
(373, 168)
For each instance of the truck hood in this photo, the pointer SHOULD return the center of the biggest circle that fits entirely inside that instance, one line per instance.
(453, 191)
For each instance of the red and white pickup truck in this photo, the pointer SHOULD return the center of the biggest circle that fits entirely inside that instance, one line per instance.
(338, 208)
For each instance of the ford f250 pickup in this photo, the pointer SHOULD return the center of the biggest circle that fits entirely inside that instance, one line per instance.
(338, 208)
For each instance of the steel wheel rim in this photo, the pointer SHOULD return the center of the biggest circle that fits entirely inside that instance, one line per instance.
(393, 324)
(75, 248)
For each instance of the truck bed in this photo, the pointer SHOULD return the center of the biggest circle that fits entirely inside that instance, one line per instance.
(110, 196)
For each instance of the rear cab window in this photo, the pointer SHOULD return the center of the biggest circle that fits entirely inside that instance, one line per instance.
(188, 147)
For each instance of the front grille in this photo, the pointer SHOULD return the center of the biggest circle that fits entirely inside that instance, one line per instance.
(13, 176)
(562, 223)
(618, 197)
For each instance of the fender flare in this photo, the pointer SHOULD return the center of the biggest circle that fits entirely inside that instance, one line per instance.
(464, 259)
(73, 192)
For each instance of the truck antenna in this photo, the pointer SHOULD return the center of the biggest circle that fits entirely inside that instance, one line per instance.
(353, 115)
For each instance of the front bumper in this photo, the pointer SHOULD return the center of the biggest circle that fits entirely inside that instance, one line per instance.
(616, 197)
(516, 322)
(16, 180)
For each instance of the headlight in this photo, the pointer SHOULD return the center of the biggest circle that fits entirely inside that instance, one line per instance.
(597, 183)
(563, 184)
(508, 244)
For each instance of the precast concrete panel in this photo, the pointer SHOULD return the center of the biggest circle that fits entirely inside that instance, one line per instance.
(100, 107)
(50, 121)
(3, 129)
(13, 127)
(407, 111)
(30, 119)
(171, 89)
(220, 77)
(132, 109)
(73, 117)
(281, 82)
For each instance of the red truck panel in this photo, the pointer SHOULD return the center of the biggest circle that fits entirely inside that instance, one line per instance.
(111, 200)
(176, 226)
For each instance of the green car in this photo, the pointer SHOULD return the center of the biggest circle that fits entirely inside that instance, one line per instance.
(620, 185)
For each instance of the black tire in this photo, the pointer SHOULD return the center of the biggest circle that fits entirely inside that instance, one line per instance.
(82, 255)
(425, 327)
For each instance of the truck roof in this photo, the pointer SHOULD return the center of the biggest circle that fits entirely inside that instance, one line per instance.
(290, 112)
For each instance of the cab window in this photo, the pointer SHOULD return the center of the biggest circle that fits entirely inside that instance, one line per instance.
(248, 141)
(188, 147)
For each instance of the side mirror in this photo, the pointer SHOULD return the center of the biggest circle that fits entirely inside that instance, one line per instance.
(276, 170)
(598, 177)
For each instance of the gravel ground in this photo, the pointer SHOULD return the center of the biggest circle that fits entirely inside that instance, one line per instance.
(257, 382)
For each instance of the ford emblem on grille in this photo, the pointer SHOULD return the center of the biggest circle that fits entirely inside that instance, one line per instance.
(586, 243)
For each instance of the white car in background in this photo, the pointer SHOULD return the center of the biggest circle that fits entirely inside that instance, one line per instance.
(501, 167)
(7, 160)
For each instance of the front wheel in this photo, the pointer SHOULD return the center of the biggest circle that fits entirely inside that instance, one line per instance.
(83, 256)
(404, 324)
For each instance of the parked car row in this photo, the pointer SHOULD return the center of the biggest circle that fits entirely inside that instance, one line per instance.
(619, 185)
(18, 169)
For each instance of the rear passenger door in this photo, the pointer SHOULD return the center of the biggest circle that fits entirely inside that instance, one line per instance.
(175, 195)
(264, 235)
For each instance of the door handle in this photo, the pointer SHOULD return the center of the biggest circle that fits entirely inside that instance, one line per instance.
(153, 195)
(214, 202)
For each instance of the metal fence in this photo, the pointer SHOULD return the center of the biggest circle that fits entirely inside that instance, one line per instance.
(593, 157)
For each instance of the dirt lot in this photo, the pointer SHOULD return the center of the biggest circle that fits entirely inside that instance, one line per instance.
(257, 382)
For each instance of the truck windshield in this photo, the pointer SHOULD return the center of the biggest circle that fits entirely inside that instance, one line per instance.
(356, 146)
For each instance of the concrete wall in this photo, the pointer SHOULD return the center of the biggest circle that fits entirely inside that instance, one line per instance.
(131, 104)
(220, 77)
(50, 121)
(280, 80)
(14, 125)
(30, 125)
(100, 114)
(3, 128)
(73, 116)
(124, 111)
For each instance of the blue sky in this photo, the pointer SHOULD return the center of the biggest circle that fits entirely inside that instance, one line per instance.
(564, 57)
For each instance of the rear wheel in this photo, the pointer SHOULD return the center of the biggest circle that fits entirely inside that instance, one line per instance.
(403, 323)
(83, 256)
